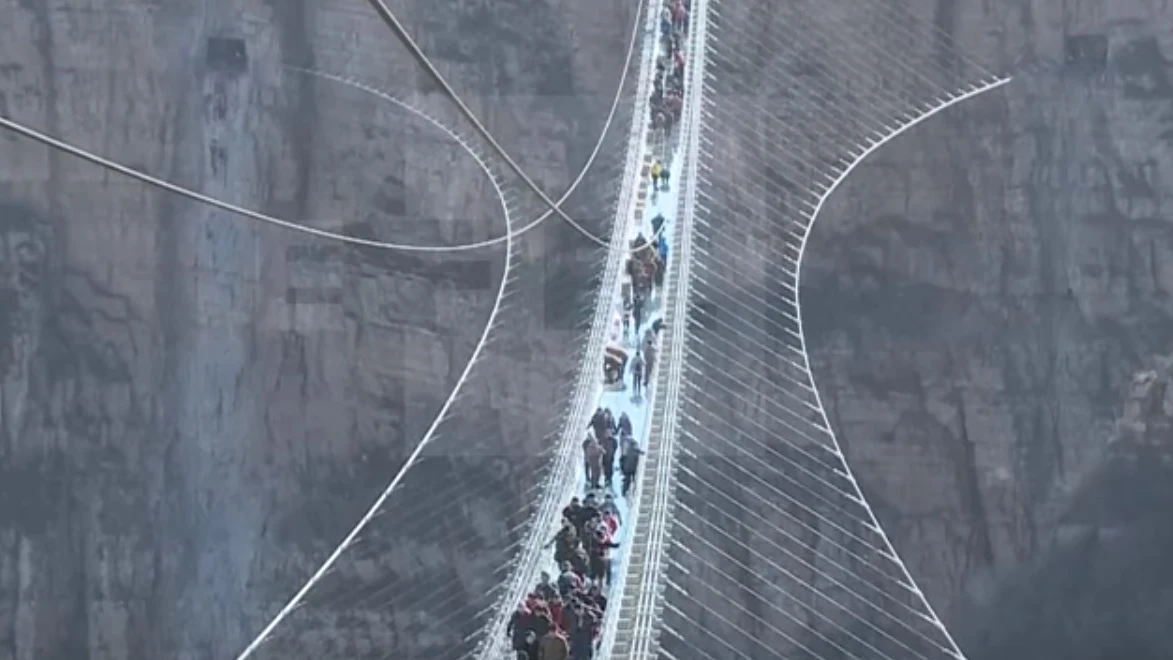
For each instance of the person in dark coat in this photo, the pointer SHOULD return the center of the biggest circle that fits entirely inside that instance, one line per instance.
(568, 581)
(598, 422)
(595, 594)
(610, 449)
(637, 376)
(565, 542)
(623, 426)
(520, 626)
(649, 364)
(590, 512)
(546, 590)
(580, 563)
(582, 640)
(629, 463)
(572, 510)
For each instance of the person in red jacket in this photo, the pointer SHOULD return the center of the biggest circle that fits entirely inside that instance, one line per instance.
(611, 522)
(556, 608)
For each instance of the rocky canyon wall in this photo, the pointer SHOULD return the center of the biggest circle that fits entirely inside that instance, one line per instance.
(1102, 587)
(978, 296)
(195, 408)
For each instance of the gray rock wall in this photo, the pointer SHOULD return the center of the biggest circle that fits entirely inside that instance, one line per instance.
(195, 408)
(978, 294)
(1101, 587)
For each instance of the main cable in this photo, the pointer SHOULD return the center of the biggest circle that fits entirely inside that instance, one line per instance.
(235, 209)
(374, 91)
(126, 170)
(400, 31)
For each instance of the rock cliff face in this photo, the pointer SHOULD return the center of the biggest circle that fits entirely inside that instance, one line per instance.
(1102, 587)
(195, 408)
(979, 294)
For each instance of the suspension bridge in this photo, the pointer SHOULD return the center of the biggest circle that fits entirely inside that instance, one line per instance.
(746, 533)
(749, 534)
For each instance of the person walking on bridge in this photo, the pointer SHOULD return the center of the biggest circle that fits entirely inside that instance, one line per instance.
(572, 511)
(582, 638)
(601, 423)
(629, 463)
(520, 625)
(650, 364)
(553, 646)
(610, 508)
(610, 449)
(565, 542)
(623, 425)
(546, 588)
(637, 376)
(593, 455)
(649, 340)
(657, 223)
(590, 437)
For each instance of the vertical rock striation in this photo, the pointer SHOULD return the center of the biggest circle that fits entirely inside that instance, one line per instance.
(195, 408)
(981, 290)
(1102, 586)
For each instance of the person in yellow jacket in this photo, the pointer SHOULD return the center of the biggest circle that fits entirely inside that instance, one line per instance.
(657, 170)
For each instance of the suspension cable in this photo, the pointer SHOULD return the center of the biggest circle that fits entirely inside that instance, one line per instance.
(397, 27)
(767, 435)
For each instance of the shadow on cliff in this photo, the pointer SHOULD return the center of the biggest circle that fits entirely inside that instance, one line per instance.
(1104, 587)
(1103, 591)
(975, 342)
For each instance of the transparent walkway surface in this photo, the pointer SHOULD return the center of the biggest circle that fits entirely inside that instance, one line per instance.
(638, 410)
(665, 204)
(620, 402)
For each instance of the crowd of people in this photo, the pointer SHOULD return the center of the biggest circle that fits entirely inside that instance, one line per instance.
(668, 86)
(645, 268)
(608, 438)
(561, 619)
